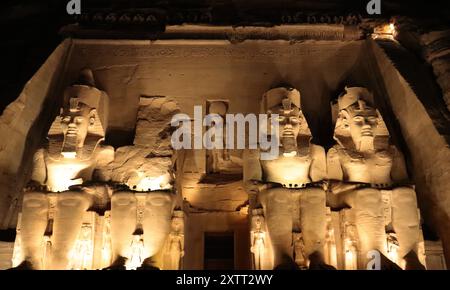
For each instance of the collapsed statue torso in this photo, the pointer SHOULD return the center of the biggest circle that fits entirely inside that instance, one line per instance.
(75, 179)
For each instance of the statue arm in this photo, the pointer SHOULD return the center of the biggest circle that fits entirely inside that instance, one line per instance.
(335, 174)
(39, 172)
(399, 173)
(318, 170)
(334, 169)
(252, 166)
(104, 155)
(252, 170)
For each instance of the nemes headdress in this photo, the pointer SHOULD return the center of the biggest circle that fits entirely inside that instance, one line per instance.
(364, 99)
(352, 95)
(276, 96)
(84, 92)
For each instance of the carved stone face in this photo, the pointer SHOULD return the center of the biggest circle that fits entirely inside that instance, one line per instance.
(75, 124)
(177, 224)
(289, 120)
(362, 121)
(257, 222)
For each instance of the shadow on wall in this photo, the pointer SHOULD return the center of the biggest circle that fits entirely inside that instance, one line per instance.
(117, 137)
(8, 235)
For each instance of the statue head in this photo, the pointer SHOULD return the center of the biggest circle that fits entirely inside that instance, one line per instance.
(75, 124)
(178, 222)
(257, 219)
(82, 119)
(86, 232)
(358, 119)
(286, 103)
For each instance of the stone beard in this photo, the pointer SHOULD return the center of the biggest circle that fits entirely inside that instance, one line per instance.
(363, 168)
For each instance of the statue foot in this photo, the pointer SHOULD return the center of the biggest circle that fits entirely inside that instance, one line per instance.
(148, 265)
(316, 262)
(24, 266)
(387, 265)
(287, 264)
(412, 262)
(118, 265)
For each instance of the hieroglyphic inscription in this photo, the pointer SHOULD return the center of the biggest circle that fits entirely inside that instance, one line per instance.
(244, 52)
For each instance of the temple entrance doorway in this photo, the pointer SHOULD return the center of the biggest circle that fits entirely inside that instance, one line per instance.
(219, 251)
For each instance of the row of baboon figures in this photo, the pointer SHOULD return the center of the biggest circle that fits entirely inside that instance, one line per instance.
(363, 174)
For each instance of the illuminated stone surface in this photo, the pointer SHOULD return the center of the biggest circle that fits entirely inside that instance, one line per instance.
(163, 203)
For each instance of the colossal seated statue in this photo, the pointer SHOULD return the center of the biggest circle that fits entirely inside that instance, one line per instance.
(53, 209)
(75, 138)
(143, 214)
(66, 215)
(368, 175)
(289, 188)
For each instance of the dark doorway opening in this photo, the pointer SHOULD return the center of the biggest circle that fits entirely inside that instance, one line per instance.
(219, 251)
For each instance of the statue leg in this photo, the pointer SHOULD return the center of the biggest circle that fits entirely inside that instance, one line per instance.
(176, 256)
(406, 224)
(370, 227)
(277, 204)
(34, 223)
(159, 208)
(70, 208)
(313, 220)
(123, 224)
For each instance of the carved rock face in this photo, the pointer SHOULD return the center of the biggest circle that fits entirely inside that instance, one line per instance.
(358, 122)
(136, 167)
(75, 124)
(362, 122)
(177, 224)
(153, 128)
(289, 119)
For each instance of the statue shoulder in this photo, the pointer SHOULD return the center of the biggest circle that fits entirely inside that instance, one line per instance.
(386, 154)
(338, 152)
(104, 154)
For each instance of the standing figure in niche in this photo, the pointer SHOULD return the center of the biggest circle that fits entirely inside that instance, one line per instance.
(361, 167)
(258, 240)
(147, 214)
(136, 256)
(175, 243)
(289, 188)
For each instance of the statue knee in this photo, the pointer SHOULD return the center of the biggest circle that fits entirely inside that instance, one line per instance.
(160, 200)
(122, 201)
(314, 196)
(35, 200)
(277, 201)
(368, 199)
(75, 200)
(404, 196)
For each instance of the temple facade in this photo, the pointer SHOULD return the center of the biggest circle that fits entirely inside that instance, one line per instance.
(91, 178)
